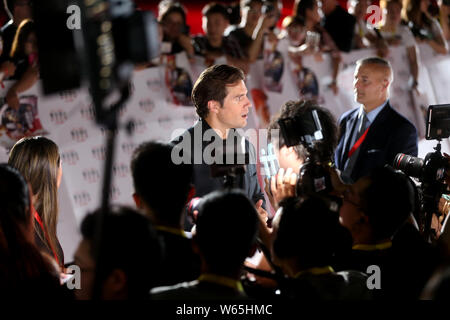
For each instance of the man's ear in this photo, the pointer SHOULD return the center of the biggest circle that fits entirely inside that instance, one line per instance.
(213, 106)
(287, 151)
(137, 200)
(115, 285)
(291, 150)
(386, 83)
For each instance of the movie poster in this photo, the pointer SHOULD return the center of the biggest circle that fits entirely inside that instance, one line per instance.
(23, 122)
(178, 82)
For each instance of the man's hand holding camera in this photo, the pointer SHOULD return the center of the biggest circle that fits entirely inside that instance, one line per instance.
(281, 186)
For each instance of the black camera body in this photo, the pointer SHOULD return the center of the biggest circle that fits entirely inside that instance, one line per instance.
(430, 171)
(314, 177)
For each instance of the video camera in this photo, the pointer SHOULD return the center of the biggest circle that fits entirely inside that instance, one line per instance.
(430, 171)
(105, 40)
(306, 130)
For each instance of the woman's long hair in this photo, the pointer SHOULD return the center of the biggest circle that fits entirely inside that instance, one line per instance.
(25, 28)
(37, 158)
(411, 12)
(21, 262)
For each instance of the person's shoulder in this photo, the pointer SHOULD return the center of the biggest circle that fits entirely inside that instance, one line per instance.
(187, 134)
(347, 114)
(234, 30)
(399, 120)
(8, 27)
(343, 13)
(352, 275)
(173, 292)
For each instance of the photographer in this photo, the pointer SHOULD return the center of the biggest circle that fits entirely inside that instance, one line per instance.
(291, 159)
(176, 38)
(306, 255)
(375, 210)
(163, 202)
(213, 44)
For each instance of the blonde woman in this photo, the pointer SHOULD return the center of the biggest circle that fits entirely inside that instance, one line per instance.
(38, 159)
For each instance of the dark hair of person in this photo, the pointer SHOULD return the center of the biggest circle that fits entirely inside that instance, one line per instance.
(226, 229)
(212, 85)
(247, 3)
(25, 28)
(412, 12)
(300, 7)
(292, 109)
(167, 7)
(217, 8)
(23, 269)
(38, 160)
(129, 243)
(309, 232)
(163, 185)
(387, 201)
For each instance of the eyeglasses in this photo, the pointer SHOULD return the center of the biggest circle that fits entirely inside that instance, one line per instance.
(346, 199)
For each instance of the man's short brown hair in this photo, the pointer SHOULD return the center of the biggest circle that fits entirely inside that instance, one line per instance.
(211, 85)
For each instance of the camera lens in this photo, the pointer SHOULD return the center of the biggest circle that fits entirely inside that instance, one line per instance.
(410, 165)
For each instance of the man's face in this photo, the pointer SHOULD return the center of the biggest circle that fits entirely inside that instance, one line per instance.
(214, 25)
(393, 12)
(84, 260)
(359, 8)
(350, 213)
(370, 85)
(172, 25)
(235, 108)
(314, 14)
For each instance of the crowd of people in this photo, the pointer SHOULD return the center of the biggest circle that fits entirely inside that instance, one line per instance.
(356, 234)
(313, 28)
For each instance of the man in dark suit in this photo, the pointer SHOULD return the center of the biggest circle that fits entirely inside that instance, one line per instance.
(220, 98)
(373, 134)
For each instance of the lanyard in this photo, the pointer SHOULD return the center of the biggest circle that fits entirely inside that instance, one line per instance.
(176, 231)
(316, 271)
(358, 143)
(39, 220)
(373, 247)
(221, 280)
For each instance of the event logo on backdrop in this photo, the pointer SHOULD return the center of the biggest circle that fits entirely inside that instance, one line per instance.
(70, 157)
(58, 117)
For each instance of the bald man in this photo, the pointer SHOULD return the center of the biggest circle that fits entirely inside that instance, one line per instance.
(373, 134)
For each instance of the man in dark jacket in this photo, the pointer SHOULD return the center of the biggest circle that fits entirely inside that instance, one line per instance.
(373, 134)
(220, 97)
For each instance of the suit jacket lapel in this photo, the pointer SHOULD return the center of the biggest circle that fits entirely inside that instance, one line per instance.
(349, 126)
